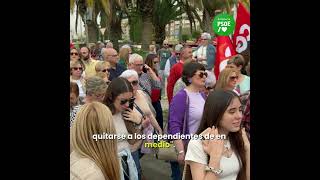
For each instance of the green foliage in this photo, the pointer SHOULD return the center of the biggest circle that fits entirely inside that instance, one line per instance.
(185, 37)
(140, 52)
(195, 34)
(165, 11)
(135, 30)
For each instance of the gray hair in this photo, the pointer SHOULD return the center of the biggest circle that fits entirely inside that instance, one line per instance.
(95, 85)
(134, 57)
(109, 45)
(126, 46)
(103, 52)
(205, 35)
(129, 73)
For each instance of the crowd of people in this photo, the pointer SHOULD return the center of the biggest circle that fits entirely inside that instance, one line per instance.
(122, 94)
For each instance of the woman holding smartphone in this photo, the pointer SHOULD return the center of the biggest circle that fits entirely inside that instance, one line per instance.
(118, 97)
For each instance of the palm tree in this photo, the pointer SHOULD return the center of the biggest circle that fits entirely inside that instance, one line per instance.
(110, 12)
(164, 12)
(209, 8)
(146, 8)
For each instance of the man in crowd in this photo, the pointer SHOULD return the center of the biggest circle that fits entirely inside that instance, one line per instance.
(89, 63)
(148, 80)
(176, 70)
(111, 55)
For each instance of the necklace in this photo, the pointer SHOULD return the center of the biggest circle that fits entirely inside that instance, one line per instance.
(227, 149)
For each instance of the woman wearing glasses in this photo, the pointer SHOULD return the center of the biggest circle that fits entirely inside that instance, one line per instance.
(74, 56)
(76, 70)
(228, 80)
(186, 110)
(102, 70)
(118, 97)
(243, 81)
(142, 108)
(152, 61)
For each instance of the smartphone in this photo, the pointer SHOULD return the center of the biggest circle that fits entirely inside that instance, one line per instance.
(131, 102)
(144, 69)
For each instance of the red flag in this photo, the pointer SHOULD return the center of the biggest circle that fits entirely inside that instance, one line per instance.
(224, 49)
(241, 36)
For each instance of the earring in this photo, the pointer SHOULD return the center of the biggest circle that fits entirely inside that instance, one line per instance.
(190, 81)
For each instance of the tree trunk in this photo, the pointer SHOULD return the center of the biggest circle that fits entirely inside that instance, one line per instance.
(92, 32)
(160, 34)
(146, 8)
(207, 22)
(115, 33)
(147, 29)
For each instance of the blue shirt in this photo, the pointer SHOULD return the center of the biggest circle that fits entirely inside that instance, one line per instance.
(114, 73)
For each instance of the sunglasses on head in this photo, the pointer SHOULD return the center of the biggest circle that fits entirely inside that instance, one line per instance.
(124, 101)
(233, 77)
(201, 74)
(134, 83)
(74, 54)
(77, 68)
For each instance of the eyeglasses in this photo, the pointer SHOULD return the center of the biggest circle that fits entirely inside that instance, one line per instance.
(201, 74)
(234, 77)
(77, 68)
(124, 101)
(134, 83)
(105, 70)
(74, 54)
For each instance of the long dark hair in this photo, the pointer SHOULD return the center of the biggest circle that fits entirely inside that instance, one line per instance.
(116, 87)
(149, 61)
(214, 108)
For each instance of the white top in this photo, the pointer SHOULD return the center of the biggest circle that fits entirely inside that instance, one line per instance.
(230, 166)
(201, 53)
(84, 168)
(167, 69)
(81, 92)
(121, 129)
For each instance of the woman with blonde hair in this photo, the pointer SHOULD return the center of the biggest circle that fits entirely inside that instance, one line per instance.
(228, 79)
(76, 70)
(124, 54)
(92, 158)
(102, 70)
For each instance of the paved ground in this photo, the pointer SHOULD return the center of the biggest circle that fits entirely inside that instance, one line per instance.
(152, 168)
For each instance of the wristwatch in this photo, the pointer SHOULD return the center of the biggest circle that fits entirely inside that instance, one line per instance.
(215, 171)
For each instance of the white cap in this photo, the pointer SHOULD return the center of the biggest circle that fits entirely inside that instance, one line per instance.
(178, 48)
(205, 35)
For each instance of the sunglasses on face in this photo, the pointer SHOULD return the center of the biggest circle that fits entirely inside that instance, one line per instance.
(74, 54)
(124, 101)
(138, 64)
(201, 74)
(105, 70)
(166, 44)
(134, 83)
(77, 68)
(233, 77)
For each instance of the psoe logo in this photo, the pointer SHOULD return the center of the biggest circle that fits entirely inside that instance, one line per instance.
(223, 24)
